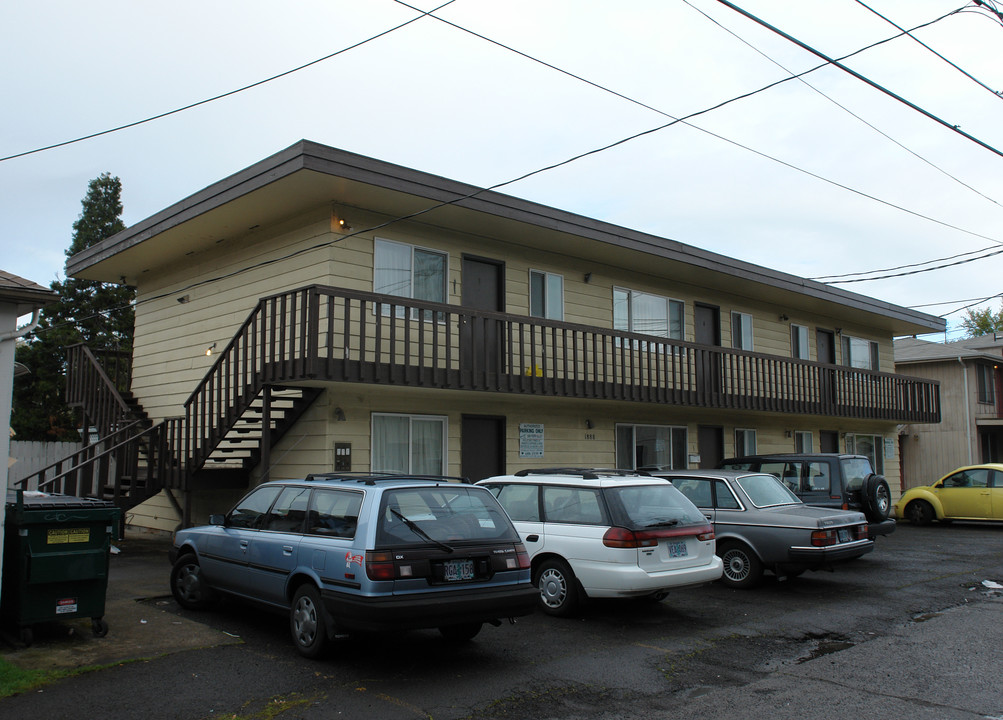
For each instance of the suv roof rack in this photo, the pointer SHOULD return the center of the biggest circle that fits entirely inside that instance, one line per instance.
(371, 478)
(584, 473)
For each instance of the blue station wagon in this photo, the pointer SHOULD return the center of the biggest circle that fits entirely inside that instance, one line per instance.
(342, 553)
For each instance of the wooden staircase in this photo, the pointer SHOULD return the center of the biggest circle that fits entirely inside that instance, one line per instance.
(134, 458)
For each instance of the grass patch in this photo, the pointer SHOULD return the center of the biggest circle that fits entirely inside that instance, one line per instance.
(15, 680)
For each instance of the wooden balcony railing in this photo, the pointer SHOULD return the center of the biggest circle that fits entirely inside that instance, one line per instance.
(332, 334)
(97, 391)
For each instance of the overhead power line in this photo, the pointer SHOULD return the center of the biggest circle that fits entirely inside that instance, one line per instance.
(229, 93)
(823, 278)
(909, 33)
(913, 272)
(862, 78)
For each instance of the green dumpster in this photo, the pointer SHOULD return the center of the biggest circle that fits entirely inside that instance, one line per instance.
(56, 550)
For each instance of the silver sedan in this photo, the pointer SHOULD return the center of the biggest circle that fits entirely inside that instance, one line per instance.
(761, 525)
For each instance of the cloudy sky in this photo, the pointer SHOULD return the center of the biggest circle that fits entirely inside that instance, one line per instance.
(821, 177)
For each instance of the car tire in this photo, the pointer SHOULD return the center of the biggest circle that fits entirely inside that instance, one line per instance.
(919, 512)
(188, 587)
(460, 633)
(558, 588)
(307, 622)
(742, 567)
(876, 498)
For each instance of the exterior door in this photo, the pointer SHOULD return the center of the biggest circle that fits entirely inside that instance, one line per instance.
(707, 331)
(482, 452)
(483, 289)
(828, 441)
(710, 445)
(825, 346)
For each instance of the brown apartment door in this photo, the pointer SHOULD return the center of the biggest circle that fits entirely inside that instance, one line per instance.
(825, 346)
(707, 331)
(710, 445)
(480, 338)
(482, 451)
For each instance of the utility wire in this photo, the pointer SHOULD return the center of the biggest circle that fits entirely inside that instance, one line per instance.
(862, 78)
(822, 278)
(800, 76)
(913, 272)
(909, 33)
(229, 93)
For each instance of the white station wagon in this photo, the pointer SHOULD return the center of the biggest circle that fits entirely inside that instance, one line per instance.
(606, 533)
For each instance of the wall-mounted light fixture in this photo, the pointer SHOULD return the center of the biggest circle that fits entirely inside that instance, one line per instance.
(839, 331)
(184, 298)
(209, 350)
(783, 317)
(343, 224)
(588, 423)
(588, 276)
(339, 414)
(787, 433)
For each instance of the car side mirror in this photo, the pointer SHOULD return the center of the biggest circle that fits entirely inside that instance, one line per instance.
(217, 519)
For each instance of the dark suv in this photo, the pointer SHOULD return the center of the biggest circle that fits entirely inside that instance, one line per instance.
(828, 480)
(342, 552)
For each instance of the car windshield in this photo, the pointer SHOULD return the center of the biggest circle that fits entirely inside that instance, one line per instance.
(641, 506)
(766, 491)
(441, 514)
(854, 471)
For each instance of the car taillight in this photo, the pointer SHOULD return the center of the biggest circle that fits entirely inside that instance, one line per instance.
(522, 556)
(618, 537)
(823, 538)
(379, 565)
(861, 532)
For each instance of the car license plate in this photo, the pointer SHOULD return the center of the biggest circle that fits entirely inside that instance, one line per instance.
(459, 570)
(844, 535)
(677, 548)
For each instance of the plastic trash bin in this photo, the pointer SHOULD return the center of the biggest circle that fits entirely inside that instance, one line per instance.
(56, 550)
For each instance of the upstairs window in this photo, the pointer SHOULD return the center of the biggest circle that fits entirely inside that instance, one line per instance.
(799, 342)
(986, 382)
(546, 295)
(859, 353)
(408, 271)
(642, 312)
(741, 330)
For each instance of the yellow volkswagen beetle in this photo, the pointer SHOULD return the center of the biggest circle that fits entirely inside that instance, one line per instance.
(974, 492)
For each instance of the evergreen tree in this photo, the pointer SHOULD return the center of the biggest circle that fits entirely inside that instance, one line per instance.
(95, 313)
(982, 322)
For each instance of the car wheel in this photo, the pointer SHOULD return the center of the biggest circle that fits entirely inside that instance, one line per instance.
(742, 569)
(307, 623)
(460, 633)
(558, 588)
(919, 512)
(187, 585)
(876, 497)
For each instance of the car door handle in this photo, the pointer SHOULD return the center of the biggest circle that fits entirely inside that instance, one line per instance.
(532, 538)
(287, 549)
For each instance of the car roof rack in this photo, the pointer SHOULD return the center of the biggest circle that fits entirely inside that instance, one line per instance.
(584, 473)
(371, 478)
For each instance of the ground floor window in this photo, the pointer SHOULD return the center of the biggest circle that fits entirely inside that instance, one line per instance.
(803, 441)
(640, 446)
(745, 442)
(871, 446)
(409, 443)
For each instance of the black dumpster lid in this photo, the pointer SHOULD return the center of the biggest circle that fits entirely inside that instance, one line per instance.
(37, 500)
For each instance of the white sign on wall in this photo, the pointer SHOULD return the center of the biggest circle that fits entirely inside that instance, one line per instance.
(530, 440)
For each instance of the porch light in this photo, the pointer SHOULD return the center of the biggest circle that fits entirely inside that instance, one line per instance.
(208, 350)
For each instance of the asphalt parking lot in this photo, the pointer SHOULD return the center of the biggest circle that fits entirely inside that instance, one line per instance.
(909, 631)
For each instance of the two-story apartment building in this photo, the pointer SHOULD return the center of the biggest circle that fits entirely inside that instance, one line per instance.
(322, 310)
(971, 431)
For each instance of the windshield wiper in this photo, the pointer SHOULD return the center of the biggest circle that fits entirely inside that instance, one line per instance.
(413, 527)
(663, 523)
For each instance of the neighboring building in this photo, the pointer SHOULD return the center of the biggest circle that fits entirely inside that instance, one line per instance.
(322, 310)
(971, 428)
